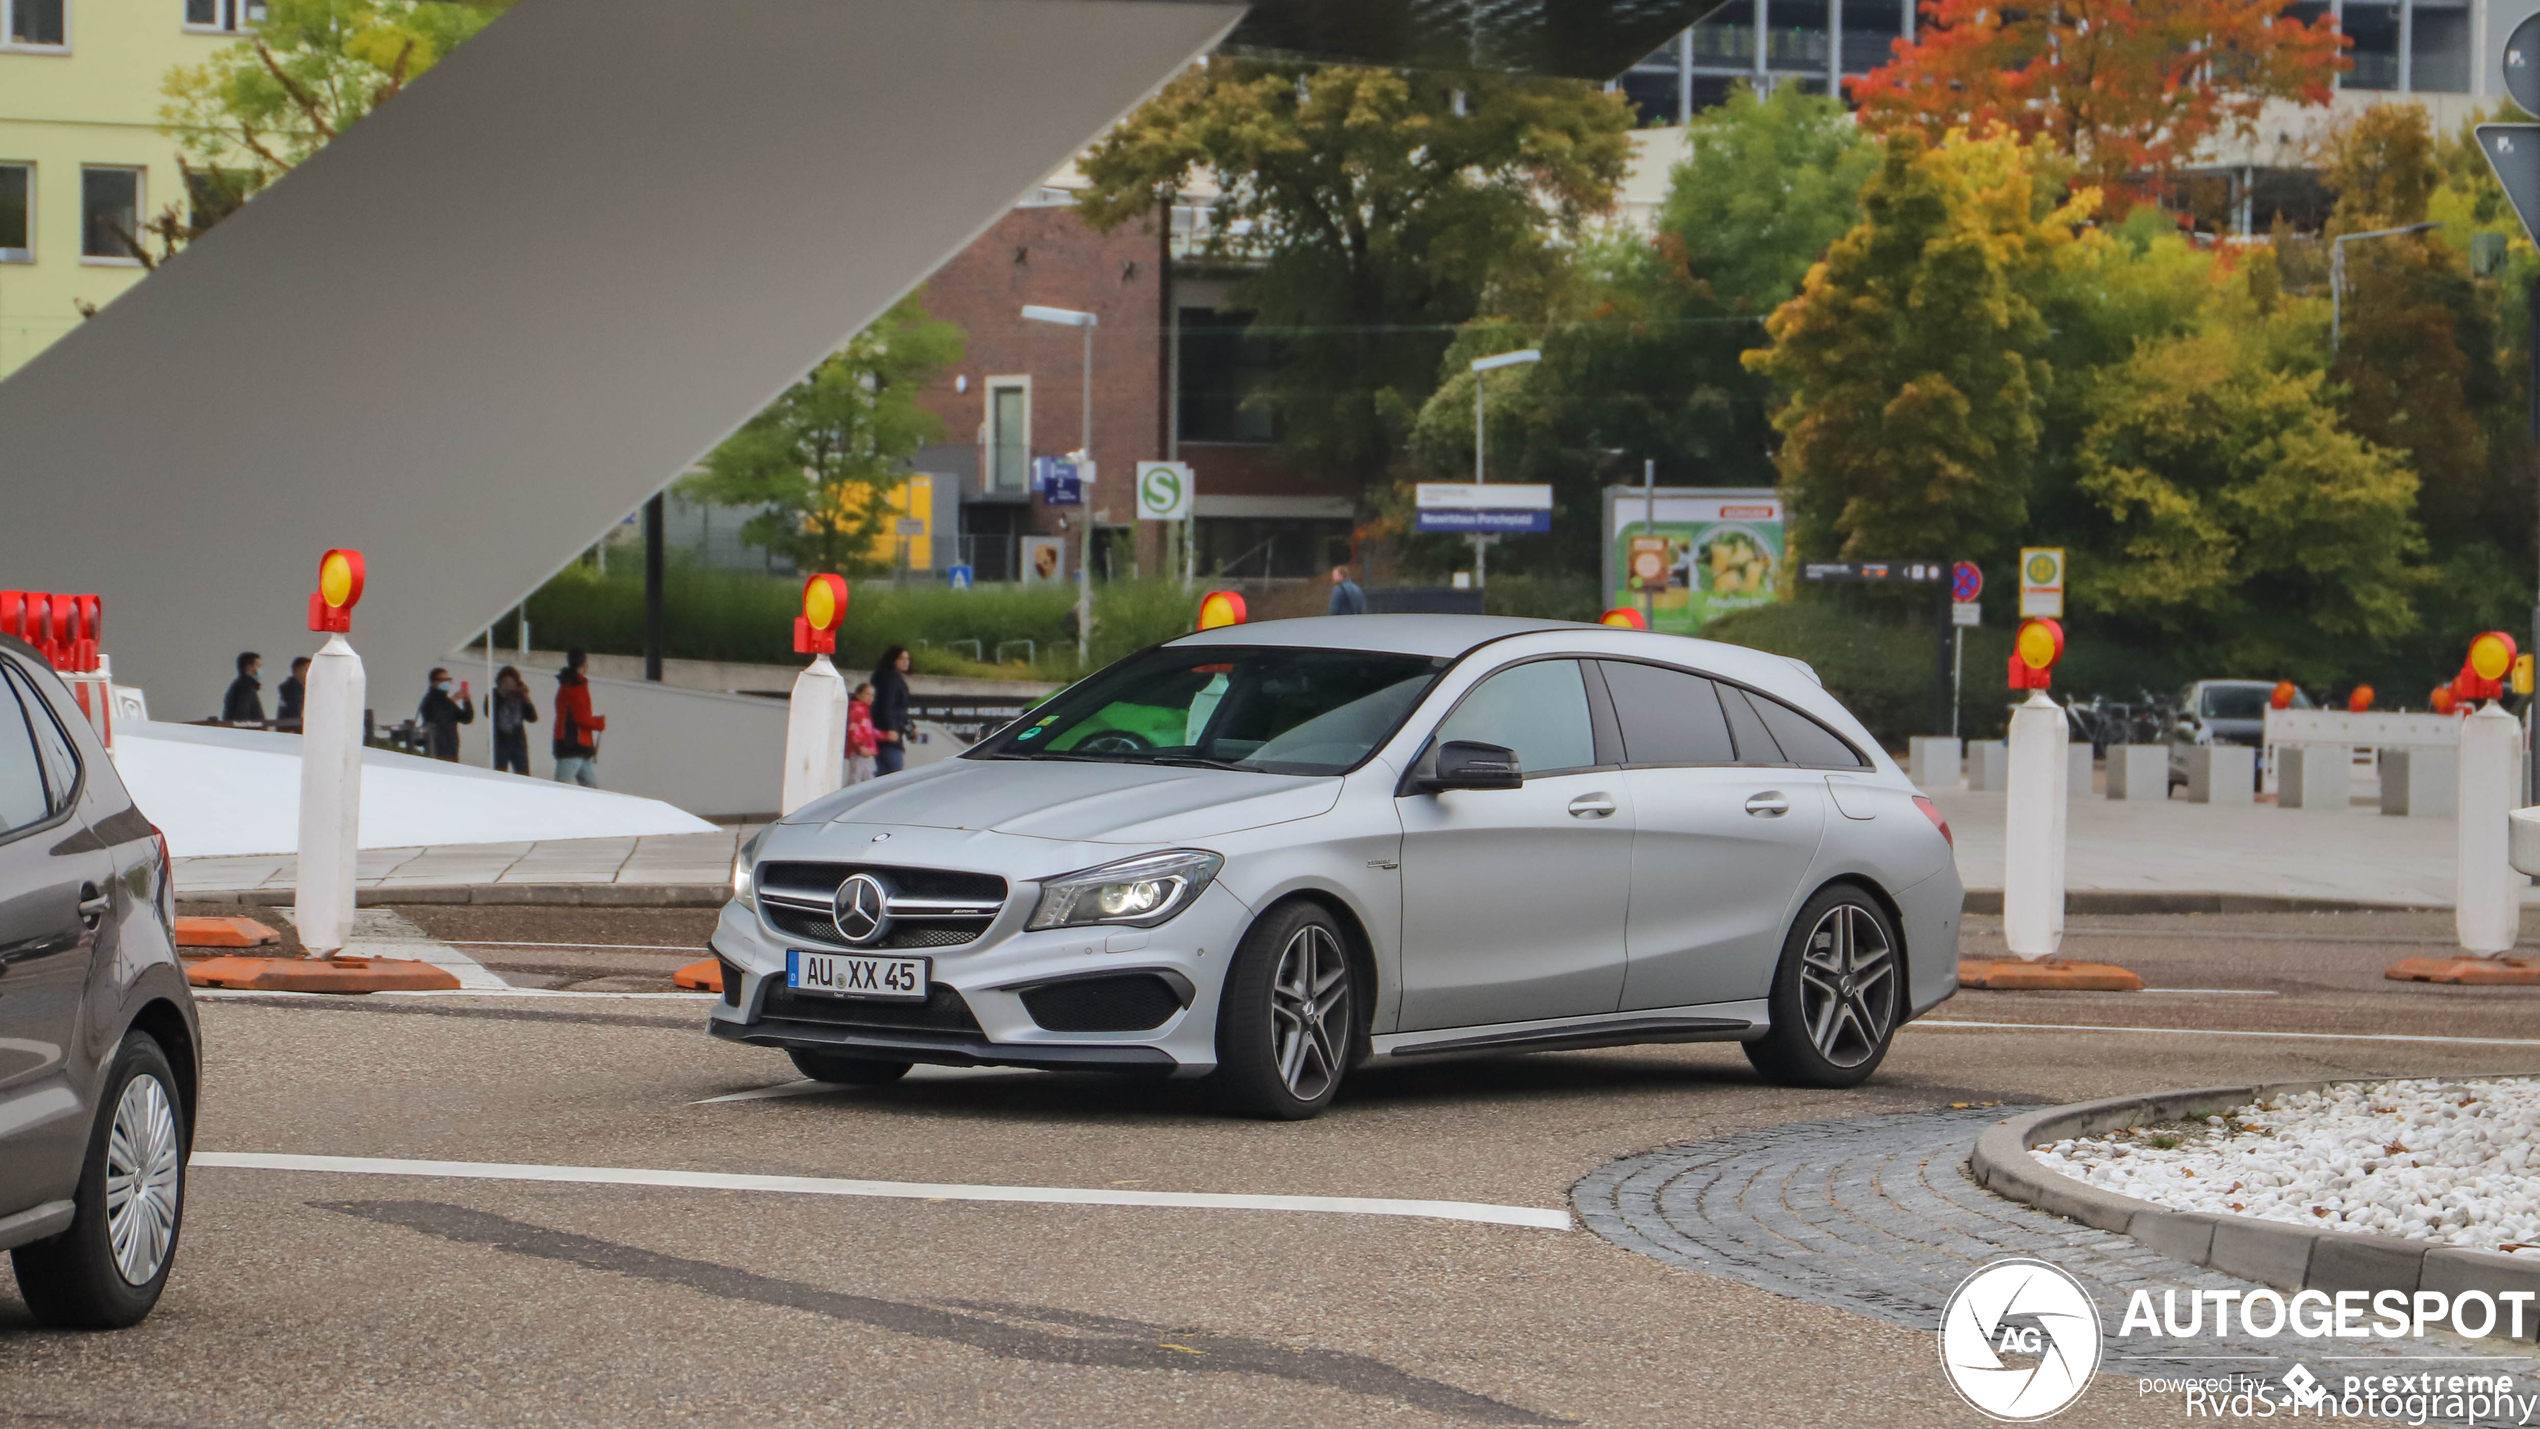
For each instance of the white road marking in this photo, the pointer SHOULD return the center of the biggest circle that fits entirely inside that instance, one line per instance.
(2227, 1032)
(1477, 1211)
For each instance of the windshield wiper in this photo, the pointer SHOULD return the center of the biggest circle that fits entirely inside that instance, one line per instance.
(1193, 761)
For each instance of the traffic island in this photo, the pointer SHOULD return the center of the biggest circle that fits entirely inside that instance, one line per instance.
(2044, 975)
(2467, 971)
(338, 974)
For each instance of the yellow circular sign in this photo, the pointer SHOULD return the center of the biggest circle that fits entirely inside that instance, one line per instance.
(335, 580)
(2491, 656)
(820, 605)
(2037, 646)
(2041, 569)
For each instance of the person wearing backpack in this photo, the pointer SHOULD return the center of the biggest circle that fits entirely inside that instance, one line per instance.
(577, 742)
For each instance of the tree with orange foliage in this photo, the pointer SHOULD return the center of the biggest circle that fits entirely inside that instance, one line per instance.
(2128, 88)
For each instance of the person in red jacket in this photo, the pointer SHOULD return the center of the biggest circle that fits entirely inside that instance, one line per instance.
(577, 741)
(862, 742)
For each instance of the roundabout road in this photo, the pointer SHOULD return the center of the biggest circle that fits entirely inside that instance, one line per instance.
(337, 1295)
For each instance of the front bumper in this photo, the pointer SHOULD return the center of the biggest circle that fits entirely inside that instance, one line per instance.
(978, 1015)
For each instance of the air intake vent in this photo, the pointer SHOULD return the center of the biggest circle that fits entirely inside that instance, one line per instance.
(1130, 1002)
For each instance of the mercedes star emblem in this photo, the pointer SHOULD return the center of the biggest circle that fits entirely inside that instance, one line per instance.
(861, 909)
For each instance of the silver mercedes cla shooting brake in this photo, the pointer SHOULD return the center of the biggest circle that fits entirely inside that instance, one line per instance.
(1270, 853)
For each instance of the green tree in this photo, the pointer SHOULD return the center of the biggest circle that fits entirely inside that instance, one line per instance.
(817, 462)
(1914, 355)
(1373, 212)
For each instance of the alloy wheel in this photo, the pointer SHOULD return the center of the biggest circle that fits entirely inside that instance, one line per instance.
(142, 1180)
(1847, 986)
(1309, 1011)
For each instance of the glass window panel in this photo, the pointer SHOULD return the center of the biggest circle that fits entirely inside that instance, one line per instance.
(1869, 28)
(1009, 460)
(36, 22)
(110, 212)
(52, 745)
(202, 12)
(16, 239)
(22, 800)
(1754, 742)
(2438, 49)
(1669, 716)
(1724, 46)
(2375, 31)
(1539, 710)
(1797, 38)
(1803, 739)
(1653, 96)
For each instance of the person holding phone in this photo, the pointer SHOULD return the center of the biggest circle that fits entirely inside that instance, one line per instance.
(891, 724)
(513, 712)
(445, 707)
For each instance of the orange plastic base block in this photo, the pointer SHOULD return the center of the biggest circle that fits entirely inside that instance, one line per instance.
(706, 976)
(320, 975)
(2044, 975)
(223, 933)
(2467, 971)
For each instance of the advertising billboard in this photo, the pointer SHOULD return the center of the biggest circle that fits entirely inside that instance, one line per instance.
(1715, 549)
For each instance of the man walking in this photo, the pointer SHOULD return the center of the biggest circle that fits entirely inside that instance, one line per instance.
(245, 702)
(1347, 598)
(577, 743)
(294, 693)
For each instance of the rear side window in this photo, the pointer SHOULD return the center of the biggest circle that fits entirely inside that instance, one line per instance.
(1803, 740)
(1668, 716)
(22, 797)
(1755, 743)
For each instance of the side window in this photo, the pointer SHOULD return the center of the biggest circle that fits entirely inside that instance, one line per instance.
(1803, 740)
(22, 800)
(1755, 743)
(1539, 710)
(53, 751)
(1668, 716)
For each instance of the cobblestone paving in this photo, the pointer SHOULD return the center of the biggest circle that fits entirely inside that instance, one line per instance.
(1878, 1215)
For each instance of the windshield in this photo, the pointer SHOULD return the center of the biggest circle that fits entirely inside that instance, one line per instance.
(2245, 701)
(1275, 709)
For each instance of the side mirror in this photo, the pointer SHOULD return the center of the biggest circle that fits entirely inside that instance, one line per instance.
(1467, 764)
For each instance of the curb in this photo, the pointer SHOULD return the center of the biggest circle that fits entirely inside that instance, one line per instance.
(2156, 900)
(515, 895)
(2276, 1253)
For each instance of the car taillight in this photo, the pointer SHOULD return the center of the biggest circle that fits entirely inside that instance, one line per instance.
(1931, 811)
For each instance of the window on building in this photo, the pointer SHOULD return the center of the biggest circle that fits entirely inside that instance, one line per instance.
(1009, 435)
(17, 231)
(2375, 31)
(2438, 48)
(215, 194)
(227, 16)
(34, 22)
(110, 214)
(1796, 37)
(1870, 29)
(1225, 372)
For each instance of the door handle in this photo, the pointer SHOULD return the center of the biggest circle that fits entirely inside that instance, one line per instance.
(93, 904)
(1768, 805)
(1591, 806)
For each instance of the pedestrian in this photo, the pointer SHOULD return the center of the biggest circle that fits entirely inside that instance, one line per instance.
(891, 726)
(513, 712)
(861, 743)
(445, 707)
(1347, 598)
(294, 693)
(245, 702)
(577, 744)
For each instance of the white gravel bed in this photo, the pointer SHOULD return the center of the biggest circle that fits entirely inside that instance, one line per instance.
(2439, 1161)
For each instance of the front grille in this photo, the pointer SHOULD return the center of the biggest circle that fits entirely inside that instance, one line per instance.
(942, 1011)
(1131, 1002)
(795, 899)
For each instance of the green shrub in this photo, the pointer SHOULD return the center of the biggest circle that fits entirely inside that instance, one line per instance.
(1881, 666)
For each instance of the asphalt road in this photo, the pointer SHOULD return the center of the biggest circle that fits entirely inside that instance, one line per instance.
(332, 1298)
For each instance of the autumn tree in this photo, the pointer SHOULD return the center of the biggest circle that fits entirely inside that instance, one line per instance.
(2128, 88)
(1913, 356)
(1374, 211)
(818, 461)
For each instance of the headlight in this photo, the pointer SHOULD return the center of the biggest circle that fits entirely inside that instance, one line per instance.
(1135, 892)
(744, 890)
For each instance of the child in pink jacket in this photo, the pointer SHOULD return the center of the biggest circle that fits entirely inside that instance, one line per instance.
(861, 745)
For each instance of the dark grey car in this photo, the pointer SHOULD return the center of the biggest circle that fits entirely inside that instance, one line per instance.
(98, 1039)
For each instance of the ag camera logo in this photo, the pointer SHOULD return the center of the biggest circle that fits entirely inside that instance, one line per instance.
(2019, 1340)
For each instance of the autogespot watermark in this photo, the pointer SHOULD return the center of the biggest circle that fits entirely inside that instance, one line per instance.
(2020, 1340)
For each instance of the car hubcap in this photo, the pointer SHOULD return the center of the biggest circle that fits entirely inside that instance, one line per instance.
(1847, 986)
(1309, 1012)
(142, 1180)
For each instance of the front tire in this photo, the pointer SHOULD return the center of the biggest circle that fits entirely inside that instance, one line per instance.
(1837, 995)
(845, 1071)
(107, 1270)
(1287, 1022)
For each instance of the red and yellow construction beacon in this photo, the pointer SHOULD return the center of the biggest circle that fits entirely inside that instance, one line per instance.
(63, 628)
(1220, 608)
(2282, 697)
(2034, 652)
(2483, 673)
(1627, 617)
(2360, 701)
(339, 590)
(2443, 700)
(824, 610)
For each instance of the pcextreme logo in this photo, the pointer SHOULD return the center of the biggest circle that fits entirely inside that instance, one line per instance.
(2019, 1340)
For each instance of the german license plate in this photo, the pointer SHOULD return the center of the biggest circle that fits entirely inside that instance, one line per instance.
(851, 975)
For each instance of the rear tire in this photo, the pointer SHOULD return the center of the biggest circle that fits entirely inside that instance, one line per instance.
(845, 1071)
(107, 1270)
(1837, 996)
(1287, 1021)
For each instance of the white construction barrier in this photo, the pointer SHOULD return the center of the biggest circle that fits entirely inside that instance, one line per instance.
(2078, 760)
(330, 798)
(2139, 771)
(1988, 765)
(815, 735)
(2487, 901)
(2315, 776)
(2033, 824)
(2221, 774)
(2421, 783)
(1935, 760)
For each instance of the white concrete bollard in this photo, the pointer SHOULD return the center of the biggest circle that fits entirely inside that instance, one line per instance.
(2039, 772)
(2222, 774)
(2139, 771)
(1935, 760)
(2077, 763)
(2420, 782)
(2487, 898)
(1987, 764)
(330, 798)
(2315, 776)
(815, 735)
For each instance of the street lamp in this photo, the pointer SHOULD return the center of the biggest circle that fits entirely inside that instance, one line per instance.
(1069, 317)
(2337, 272)
(1481, 543)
